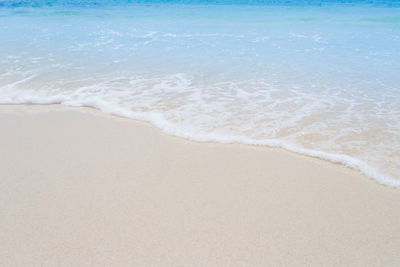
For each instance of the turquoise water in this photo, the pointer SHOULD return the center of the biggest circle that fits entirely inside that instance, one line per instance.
(320, 78)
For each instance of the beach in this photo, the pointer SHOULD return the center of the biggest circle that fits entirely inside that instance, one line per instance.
(83, 188)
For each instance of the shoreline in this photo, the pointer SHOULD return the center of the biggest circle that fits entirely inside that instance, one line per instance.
(347, 161)
(83, 187)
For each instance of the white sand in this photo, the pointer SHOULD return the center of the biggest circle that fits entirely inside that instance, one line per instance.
(81, 188)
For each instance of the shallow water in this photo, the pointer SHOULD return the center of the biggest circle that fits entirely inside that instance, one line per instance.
(318, 77)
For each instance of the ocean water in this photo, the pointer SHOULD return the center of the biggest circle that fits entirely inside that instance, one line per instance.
(321, 78)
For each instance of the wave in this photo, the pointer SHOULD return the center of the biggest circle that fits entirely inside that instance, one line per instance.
(201, 136)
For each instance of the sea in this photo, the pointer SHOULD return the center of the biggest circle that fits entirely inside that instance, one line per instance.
(320, 78)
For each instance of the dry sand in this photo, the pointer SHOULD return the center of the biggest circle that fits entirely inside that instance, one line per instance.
(81, 188)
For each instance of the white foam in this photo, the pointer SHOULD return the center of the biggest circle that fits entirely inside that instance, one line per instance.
(159, 120)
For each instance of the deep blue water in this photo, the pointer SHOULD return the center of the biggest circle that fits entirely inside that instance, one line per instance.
(103, 3)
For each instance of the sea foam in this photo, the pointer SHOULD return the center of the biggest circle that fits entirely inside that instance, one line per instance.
(192, 133)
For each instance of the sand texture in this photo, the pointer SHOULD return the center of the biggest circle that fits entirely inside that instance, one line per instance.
(81, 188)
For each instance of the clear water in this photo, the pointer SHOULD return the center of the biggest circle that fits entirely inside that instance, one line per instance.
(320, 78)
